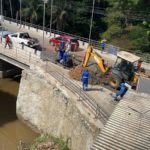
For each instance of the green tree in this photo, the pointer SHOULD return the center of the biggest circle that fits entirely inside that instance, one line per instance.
(32, 10)
(60, 15)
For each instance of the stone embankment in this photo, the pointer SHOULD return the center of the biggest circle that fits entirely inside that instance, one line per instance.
(51, 108)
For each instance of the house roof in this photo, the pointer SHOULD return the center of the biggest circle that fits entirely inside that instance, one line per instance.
(129, 126)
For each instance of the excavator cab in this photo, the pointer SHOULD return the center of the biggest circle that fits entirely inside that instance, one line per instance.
(124, 68)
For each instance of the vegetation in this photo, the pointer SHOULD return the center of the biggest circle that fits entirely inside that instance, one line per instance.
(49, 141)
(116, 20)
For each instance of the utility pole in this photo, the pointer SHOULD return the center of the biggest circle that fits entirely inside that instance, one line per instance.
(51, 17)
(20, 12)
(1, 11)
(2, 19)
(44, 2)
(91, 22)
(11, 8)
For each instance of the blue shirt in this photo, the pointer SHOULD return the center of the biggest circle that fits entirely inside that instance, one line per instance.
(85, 76)
(121, 91)
(102, 44)
(62, 45)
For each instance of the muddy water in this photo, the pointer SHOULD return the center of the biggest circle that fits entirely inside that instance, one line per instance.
(11, 129)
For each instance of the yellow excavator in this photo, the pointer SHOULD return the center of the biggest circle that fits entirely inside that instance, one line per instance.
(124, 68)
(99, 60)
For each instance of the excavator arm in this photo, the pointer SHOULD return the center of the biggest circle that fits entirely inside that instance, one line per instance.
(99, 60)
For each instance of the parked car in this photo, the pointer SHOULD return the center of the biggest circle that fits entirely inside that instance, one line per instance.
(67, 39)
(2, 28)
(24, 38)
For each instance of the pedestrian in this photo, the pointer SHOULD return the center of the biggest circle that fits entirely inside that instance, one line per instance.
(85, 76)
(103, 45)
(120, 93)
(7, 41)
(61, 51)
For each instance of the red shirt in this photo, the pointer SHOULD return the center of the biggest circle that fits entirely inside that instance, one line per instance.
(7, 39)
(139, 66)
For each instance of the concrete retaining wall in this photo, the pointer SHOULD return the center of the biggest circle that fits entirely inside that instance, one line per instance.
(49, 107)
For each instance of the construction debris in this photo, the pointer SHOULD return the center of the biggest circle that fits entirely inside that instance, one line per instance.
(96, 76)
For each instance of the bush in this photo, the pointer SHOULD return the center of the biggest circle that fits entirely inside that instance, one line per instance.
(113, 30)
(62, 144)
(140, 39)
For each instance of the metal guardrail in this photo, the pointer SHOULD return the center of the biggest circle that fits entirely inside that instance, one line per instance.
(85, 98)
(96, 44)
(111, 49)
(28, 59)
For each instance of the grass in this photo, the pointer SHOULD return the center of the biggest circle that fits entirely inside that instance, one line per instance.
(63, 145)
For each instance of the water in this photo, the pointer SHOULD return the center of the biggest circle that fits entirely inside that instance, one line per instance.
(11, 129)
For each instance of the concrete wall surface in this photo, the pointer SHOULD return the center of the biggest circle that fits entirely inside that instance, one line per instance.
(49, 107)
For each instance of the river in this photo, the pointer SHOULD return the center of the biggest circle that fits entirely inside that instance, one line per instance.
(11, 129)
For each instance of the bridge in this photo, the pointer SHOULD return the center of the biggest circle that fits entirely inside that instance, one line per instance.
(27, 57)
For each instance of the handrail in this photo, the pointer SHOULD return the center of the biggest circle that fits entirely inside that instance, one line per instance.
(85, 98)
(25, 57)
(111, 48)
(82, 39)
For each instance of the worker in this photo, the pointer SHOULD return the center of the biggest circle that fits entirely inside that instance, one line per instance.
(61, 51)
(120, 93)
(7, 41)
(103, 44)
(138, 67)
(85, 76)
(65, 58)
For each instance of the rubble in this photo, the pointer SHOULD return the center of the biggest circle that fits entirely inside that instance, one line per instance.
(96, 76)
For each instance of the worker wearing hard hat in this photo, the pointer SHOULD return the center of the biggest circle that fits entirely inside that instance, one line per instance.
(103, 43)
(85, 76)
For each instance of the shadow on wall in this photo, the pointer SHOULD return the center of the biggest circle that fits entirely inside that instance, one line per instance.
(7, 108)
(16, 77)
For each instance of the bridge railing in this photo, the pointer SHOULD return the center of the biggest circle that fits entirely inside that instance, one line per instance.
(84, 42)
(29, 57)
(85, 98)
(25, 56)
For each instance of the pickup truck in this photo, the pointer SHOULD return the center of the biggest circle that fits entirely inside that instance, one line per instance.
(24, 38)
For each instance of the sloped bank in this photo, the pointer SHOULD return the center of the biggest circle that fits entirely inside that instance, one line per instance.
(51, 108)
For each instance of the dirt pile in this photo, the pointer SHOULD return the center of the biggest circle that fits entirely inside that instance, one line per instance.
(76, 72)
(96, 76)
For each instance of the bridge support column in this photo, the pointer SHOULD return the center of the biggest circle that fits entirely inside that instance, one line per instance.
(7, 69)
